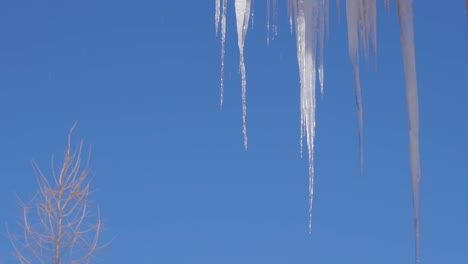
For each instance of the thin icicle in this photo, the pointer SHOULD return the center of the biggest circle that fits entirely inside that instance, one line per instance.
(362, 25)
(405, 16)
(252, 13)
(322, 6)
(352, 17)
(242, 20)
(290, 14)
(301, 44)
(223, 47)
(321, 77)
(361, 18)
(306, 38)
(217, 15)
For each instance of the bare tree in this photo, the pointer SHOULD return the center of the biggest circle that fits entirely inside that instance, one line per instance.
(57, 224)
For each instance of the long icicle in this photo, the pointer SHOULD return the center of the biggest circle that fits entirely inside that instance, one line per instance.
(405, 17)
(242, 19)
(217, 15)
(223, 47)
(362, 19)
(306, 37)
(352, 16)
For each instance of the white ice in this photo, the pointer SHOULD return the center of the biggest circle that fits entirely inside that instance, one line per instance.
(323, 11)
(220, 12)
(242, 19)
(310, 20)
(405, 15)
(217, 14)
(290, 9)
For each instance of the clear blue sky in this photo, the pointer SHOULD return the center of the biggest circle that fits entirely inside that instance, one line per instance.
(172, 178)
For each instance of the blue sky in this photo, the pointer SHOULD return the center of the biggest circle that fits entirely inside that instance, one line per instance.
(172, 178)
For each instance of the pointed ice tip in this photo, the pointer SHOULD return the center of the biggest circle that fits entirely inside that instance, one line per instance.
(246, 140)
(310, 224)
(221, 99)
(361, 161)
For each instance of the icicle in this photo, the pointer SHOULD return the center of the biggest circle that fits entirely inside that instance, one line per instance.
(352, 16)
(252, 13)
(300, 43)
(321, 76)
(362, 26)
(322, 32)
(217, 15)
(361, 19)
(405, 16)
(290, 14)
(242, 19)
(306, 38)
(223, 46)
(310, 20)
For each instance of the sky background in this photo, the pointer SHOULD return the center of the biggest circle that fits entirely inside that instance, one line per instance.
(172, 178)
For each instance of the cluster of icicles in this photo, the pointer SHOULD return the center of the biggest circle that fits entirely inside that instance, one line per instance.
(309, 18)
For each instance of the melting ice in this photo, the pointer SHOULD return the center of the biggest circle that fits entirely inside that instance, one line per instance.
(309, 18)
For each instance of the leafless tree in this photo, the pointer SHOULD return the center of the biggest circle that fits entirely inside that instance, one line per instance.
(57, 225)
